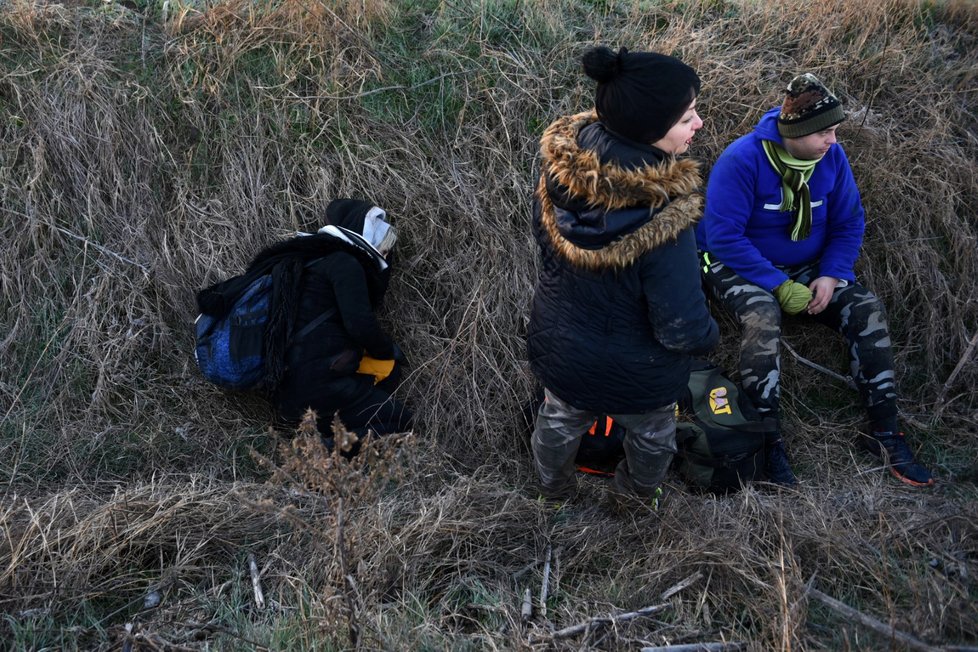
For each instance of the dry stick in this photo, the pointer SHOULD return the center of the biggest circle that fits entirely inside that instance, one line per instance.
(673, 590)
(871, 623)
(545, 585)
(600, 620)
(87, 242)
(555, 571)
(255, 583)
(374, 91)
(98, 247)
(203, 629)
(965, 357)
(527, 609)
(347, 590)
(719, 646)
(668, 593)
(805, 361)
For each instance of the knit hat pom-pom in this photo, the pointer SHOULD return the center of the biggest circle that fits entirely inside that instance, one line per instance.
(602, 64)
(640, 95)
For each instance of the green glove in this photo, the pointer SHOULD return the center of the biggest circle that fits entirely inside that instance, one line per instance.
(793, 297)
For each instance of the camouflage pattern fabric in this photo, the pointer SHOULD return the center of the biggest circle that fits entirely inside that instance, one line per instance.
(853, 311)
(650, 443)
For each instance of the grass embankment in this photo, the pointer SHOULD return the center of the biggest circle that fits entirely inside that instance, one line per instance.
(148, 149)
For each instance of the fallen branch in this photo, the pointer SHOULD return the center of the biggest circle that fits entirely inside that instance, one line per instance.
(526, 611)
(545, 586)
(573, 630)
(100, 248)
(965, 357)
(620, 618)
(555, 572)
(719, 646)
(668, 593)
(350, 585)
(814, 365)
(255, 582)
(872, 623)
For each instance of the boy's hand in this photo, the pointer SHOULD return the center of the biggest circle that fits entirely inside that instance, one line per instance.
(822, 289)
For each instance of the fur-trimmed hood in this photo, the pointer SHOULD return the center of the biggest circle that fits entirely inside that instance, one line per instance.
(605, 215)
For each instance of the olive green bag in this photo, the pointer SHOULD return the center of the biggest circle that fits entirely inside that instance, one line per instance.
(719, 434)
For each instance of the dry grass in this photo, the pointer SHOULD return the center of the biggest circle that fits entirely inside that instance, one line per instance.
(145, 153)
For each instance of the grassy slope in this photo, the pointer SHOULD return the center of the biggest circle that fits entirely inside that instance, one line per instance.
(149, 149)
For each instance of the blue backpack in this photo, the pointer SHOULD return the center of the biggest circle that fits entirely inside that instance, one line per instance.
(230, 349)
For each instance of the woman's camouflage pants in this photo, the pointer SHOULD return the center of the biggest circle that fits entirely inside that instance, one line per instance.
(853, 310)
(650, 443)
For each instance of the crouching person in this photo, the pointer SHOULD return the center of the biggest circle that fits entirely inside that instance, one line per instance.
(339, 359)
(618, 308)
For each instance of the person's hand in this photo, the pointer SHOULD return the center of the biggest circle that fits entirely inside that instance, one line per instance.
(822, 289)
(793, 297)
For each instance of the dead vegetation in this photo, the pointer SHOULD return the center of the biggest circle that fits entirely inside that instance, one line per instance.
(148, 149)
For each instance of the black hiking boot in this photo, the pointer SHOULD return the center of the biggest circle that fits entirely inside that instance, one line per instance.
(624, 496)
(776, 465)
(566, 493)
(891, 447)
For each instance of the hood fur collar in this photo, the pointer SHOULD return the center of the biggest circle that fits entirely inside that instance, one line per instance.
(670, 189)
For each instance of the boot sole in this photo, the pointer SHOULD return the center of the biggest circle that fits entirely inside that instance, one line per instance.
(876, 451)
(913, 483)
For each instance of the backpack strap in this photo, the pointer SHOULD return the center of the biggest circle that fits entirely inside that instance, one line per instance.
(311, 326)
(724, 462)
(766, 425)
(308, 328)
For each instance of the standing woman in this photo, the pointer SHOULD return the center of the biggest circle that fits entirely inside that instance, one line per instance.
(618, 309)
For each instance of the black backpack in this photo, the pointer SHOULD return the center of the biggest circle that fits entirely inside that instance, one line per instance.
(719, 435)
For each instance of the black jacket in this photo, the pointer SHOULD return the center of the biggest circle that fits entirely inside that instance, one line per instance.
(321, 366)
(618, 309)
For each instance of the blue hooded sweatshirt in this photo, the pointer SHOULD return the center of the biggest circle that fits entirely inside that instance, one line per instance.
(744, 228)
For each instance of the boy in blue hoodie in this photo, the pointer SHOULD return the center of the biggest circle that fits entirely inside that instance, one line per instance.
(781, 232)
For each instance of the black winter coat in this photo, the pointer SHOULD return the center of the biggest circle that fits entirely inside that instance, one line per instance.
(618, 309)
(321, 367)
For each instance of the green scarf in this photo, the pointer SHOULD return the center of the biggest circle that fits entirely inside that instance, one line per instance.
(795, 174)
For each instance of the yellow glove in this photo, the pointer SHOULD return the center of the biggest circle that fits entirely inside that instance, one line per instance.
(379, 369)
(793, 297)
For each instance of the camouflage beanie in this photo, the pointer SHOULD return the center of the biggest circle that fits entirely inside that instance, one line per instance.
(808, 107)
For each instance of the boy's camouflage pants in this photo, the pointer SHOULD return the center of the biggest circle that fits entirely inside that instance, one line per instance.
(650, 443)
(853, 310)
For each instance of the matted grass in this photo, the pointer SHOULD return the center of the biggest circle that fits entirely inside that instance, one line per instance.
(150, 148)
